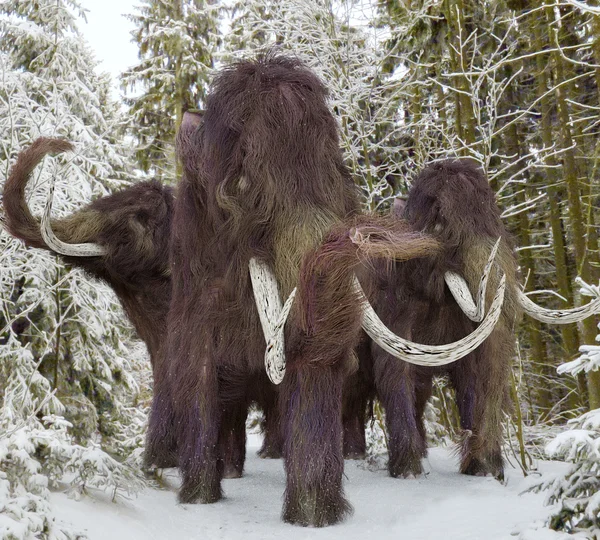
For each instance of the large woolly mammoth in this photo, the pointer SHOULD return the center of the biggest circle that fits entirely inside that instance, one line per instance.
(442, 298)
(258, 212)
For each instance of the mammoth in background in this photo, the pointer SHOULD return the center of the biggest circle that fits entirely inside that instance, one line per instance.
(121, 239)
(431, 300)
(265, 204)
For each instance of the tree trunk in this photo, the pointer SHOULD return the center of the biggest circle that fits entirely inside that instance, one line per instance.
(576, 217)
(539, 354)
(465, 122)
(564, 279)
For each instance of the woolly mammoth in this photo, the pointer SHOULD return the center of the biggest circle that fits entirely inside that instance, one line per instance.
(125, 243)
(431, 300)
(121, 239)
(266, 204)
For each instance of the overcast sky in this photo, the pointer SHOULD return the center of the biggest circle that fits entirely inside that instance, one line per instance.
(108, 33)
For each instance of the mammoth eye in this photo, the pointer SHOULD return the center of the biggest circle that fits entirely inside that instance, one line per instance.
(142, 217)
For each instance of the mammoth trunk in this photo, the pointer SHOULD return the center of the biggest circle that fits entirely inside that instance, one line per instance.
(79, 227)
(347, 247)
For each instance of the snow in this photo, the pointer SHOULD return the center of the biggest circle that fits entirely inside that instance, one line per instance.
(441, 504)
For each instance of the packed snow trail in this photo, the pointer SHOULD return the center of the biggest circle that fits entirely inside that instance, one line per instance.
(443, 504)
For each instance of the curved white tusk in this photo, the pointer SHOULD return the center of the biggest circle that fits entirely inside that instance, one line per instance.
(430, 355)
(275, 353)
(558, 316)
(460, 289)
(272, 316)
(71, 250)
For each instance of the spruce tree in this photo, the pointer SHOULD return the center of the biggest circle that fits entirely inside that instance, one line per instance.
(67, 364)
(177, 40)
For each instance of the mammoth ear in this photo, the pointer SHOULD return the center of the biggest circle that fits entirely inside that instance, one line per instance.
(191, 120)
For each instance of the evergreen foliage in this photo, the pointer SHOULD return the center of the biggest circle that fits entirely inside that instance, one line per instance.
(577, 492)
(514, 85)
(177, 40)
(68, 365)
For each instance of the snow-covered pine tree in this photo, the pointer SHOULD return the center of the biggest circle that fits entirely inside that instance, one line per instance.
(176, 40)
(67, 361)
(577, 492)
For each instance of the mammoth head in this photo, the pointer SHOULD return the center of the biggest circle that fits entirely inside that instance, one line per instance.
(453, 200)
(268, 138)
(122, 238)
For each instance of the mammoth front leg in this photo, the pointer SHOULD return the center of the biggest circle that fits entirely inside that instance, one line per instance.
(396, 384)
(272, 447)
(200, 464)
(197, 411)
(481, 384)
(265, 394)
(161, 445)
(232, 439)
(354, 415)
(311, 411)
(358, 391)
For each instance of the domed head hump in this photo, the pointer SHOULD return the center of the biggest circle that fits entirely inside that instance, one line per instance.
(452, 199)
(268, 134)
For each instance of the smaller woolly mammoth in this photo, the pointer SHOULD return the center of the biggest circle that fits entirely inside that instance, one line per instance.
(443, 298)
(121, 239)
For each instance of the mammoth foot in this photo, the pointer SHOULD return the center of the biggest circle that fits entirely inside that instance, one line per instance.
(493, 466)
(354, 447)
(354, 454)
(194, 491)
(270, 452)
(405, 459)
(405, 467)
(315, 509)
(478, 459)
(233, 471)
(160, 459)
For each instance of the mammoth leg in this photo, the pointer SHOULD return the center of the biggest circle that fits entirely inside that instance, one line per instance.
(358, 391)
(233, 390)
(423, 391)
(396, 384)
(161, 442)
(197, 408)
(161, 446)
(481, 383)
(311, 411)
(232, 440)
(354, 413)
(272, 447)
(200, 464)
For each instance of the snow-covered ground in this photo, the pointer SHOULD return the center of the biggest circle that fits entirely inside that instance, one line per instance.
(440, 505)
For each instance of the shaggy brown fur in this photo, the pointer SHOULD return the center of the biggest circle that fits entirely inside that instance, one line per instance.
(452, 201)
(270, 183)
